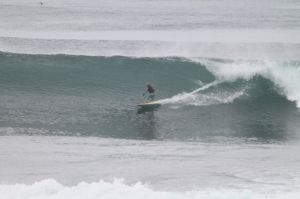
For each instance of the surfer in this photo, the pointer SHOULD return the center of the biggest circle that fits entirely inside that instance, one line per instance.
(150, 90)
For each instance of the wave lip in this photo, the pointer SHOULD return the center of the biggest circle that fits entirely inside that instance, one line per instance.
(284, 75)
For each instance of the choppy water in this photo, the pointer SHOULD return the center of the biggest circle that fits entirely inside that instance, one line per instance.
(227, 74)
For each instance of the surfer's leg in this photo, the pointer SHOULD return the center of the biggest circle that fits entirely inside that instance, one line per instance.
(151, 97)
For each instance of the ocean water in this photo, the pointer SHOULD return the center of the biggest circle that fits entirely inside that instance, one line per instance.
(226, 73)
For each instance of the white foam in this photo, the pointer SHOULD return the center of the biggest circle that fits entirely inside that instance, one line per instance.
(35, 131)
(51, 189)
(203, 99)
(195, 97)
(286, 75)
(207, 86)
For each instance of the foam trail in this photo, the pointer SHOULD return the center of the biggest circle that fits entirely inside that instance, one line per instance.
(214, 83)
(197, 99)
(184, 96)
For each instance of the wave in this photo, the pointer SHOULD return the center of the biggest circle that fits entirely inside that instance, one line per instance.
(222, 80)
(86, 95)
(51, 189)
(284, 75)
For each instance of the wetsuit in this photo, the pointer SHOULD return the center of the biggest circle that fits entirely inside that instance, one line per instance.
(151, 91)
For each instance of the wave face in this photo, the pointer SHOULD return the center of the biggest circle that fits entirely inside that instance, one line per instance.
(117, 189)
(97, 96)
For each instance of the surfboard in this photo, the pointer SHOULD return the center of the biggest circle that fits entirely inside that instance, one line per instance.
(149, 104)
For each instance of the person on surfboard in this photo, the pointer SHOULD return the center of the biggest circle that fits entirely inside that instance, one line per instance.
(150, 90)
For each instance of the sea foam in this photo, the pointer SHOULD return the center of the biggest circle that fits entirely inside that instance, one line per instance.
(51, 189)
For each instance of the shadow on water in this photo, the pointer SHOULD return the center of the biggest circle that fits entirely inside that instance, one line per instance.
(145, 109)
(146, 125)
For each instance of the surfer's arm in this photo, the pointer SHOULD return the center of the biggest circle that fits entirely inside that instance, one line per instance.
(146, 91)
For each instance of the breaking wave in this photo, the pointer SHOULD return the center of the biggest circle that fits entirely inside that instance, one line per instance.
(51, 189)
(91, 95)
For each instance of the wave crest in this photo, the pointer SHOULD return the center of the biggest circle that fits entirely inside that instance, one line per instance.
(285, 75)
